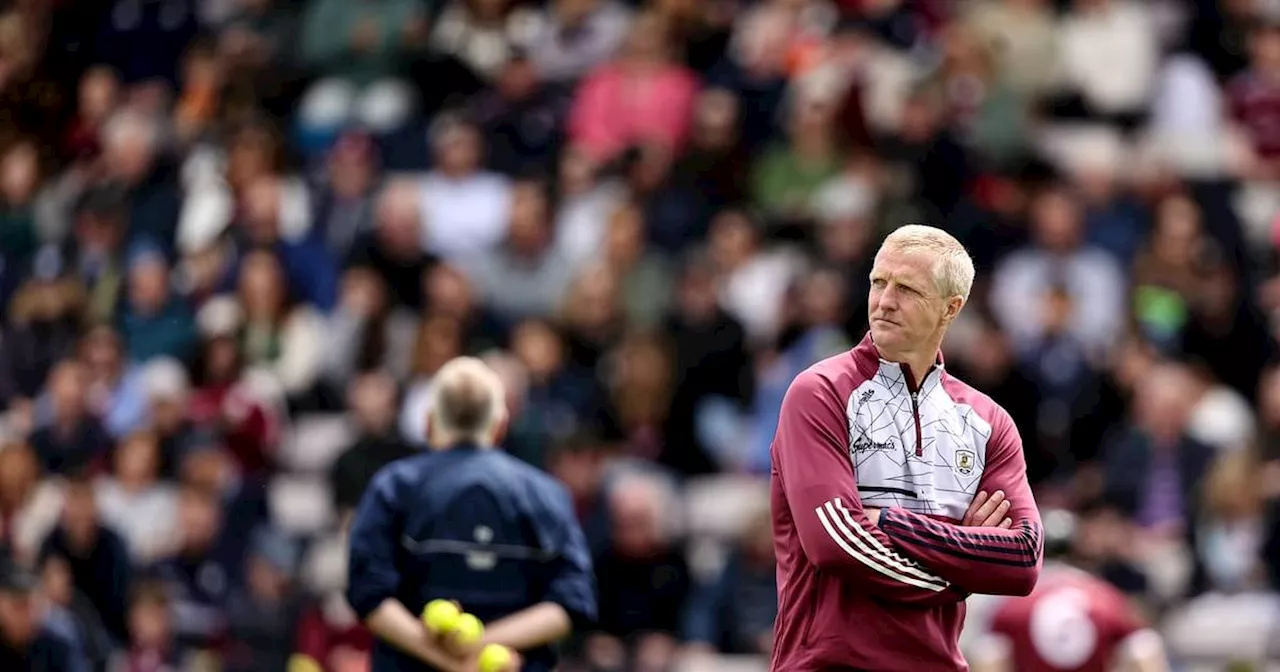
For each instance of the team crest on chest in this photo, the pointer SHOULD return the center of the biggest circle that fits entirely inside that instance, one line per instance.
(965, 461)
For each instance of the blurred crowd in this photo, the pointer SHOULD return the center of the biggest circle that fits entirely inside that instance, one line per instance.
(238, 237)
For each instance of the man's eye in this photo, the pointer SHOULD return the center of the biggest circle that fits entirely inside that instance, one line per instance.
(878, 282)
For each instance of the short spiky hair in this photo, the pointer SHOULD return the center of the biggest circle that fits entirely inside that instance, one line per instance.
(952, 268)
(468, 399)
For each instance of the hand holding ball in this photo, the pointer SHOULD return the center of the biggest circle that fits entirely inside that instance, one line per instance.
(468, 631)
(441, 617)
(495, 658)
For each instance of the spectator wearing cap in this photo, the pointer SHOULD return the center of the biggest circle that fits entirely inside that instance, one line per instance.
(263, 614)
(68, 438)
(604, 122)
(136, 503)
(29, 641)
(97, 557)
(116, 394)
(156, 322)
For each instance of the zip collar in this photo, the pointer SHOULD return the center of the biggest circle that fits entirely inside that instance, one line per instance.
(870, 364)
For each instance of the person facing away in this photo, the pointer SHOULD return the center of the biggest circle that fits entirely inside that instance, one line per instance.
(883, 466)
(1072, 622)
(463, 521)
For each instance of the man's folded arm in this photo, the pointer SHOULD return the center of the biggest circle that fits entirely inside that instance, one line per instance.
(988, 560)
(812, 461)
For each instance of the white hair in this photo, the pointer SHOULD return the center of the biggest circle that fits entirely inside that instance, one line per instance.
(129, 126)
(952, 267)
(468, 402)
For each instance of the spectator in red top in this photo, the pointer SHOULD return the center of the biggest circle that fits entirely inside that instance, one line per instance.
(331, 636)
(152, 646)
(1254, 99)
(642, 97)
(98, 96)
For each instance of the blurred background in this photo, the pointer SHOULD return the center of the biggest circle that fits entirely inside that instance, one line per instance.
(238, 237)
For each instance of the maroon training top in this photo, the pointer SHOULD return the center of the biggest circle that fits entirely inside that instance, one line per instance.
(1072, 622)
(856, 430)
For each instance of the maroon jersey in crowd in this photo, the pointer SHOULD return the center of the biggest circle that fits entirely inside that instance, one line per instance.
(1073, 622)
(855, 429)
(1254, 101)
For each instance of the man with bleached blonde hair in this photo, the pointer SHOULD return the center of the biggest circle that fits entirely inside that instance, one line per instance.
(464, 521)
(883, 469)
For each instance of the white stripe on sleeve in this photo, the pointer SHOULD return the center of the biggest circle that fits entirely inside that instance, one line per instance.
(885, 553)
(856, 548)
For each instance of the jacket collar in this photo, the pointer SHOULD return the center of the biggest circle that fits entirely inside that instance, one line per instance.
(869, 363)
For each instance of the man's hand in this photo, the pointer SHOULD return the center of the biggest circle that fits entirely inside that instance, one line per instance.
(988, 511)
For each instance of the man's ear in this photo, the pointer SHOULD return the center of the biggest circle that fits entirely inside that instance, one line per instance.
(954, 305)
(500, 428)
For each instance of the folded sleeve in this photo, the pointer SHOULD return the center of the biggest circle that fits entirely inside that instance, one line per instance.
(810, 453)
(986, 560)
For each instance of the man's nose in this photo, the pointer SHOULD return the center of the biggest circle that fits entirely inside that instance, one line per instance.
(888, 299)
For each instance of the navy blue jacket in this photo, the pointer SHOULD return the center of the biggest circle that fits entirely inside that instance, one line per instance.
(476, 526)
